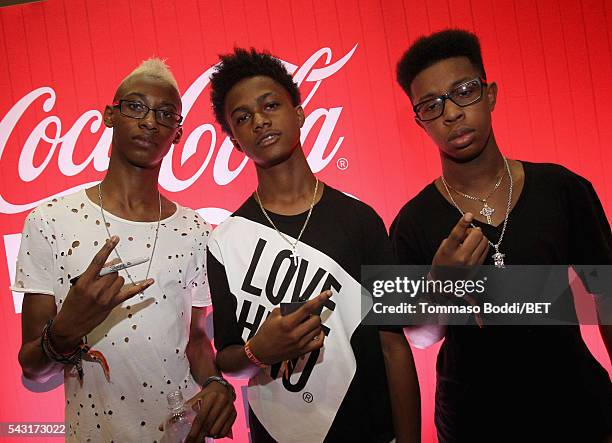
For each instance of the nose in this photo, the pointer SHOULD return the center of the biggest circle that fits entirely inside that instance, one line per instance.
(452, 112)
(260, 120)
(148, 121)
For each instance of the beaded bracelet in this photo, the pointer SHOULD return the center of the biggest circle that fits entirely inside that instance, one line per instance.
(75, 357)
(251, 356)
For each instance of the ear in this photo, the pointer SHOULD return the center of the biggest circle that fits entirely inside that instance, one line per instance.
(236, 144)
(491, 96)
(178, 135)
(108, 116)
(300, 114)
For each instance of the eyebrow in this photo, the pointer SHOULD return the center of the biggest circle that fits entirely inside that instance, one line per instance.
(454, 85)
(259, 99)
(143, 97)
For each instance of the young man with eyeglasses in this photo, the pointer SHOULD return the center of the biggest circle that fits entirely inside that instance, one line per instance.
(316, 374)
(499, 383)
(127, 339)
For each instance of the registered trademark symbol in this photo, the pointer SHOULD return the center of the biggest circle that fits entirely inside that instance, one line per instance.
(307, 396)
(342, 163)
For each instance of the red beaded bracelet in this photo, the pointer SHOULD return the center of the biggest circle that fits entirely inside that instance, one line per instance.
(251, 356)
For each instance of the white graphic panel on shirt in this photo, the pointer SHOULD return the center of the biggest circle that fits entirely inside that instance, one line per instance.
(299, 405)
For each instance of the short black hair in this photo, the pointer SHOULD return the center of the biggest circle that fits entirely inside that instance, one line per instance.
(241, 64)
(428, 50)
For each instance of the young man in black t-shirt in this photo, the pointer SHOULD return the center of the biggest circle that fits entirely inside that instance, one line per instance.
(499, 383)
(297, 239)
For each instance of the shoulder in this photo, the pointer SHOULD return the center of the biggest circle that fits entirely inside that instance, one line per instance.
(192, 218)
(245, 211)
(188, 229)
(416, 207)
(554, 179)
(349, 206)
(57, 209)
(553, 173)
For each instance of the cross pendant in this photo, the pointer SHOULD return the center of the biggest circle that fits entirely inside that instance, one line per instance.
(295, 256)
(487, 211)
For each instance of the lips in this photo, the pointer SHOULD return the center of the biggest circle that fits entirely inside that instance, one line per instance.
(145, 141)
(461, 137)
(267, 138)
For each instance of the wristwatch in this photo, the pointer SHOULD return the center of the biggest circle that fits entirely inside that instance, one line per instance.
(222, 381)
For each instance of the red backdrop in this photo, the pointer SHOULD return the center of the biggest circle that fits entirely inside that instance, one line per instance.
(60, 62)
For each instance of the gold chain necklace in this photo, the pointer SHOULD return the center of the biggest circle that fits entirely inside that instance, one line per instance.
(294, 254)
(498, 257)
(486, 211)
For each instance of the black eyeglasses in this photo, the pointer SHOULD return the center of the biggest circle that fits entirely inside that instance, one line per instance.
(139, 111)
(462, 95)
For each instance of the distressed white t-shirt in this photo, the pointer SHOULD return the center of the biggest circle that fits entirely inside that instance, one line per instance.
(145, 338)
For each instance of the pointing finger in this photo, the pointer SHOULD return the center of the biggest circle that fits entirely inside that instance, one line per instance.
(459, 232)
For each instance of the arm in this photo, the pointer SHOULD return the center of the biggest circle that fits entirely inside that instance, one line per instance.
(37, 310)
(464, 247)
(404, 240)
(606, 335)
(603, 305)
(87, 304)
(216, 412)
(277, 339)
(589, 225)
(231, 358)
(423, 336)
(199, 349)
(403, 387)
(234, 361)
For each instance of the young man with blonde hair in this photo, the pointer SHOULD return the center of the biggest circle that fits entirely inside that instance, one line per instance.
(126, 339)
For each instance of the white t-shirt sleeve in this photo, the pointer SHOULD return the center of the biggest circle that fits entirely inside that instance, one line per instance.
(34, 273)
(200, 292)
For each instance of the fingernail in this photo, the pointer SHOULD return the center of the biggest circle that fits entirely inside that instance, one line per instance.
(114, 239)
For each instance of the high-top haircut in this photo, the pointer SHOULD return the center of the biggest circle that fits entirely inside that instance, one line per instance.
(153, 67)
(242, 64)
(428, 50)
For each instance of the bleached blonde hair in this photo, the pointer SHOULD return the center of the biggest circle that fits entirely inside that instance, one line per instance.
(153, 67)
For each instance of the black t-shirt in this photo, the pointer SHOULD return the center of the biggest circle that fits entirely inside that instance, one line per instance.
(496, 382)
(344, 396)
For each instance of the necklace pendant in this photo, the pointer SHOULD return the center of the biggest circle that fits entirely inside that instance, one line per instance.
(295, 256)
(498, 260)
(487, 211)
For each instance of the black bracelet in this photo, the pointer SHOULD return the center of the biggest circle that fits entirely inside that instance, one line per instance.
(222, 381)
(71, 358)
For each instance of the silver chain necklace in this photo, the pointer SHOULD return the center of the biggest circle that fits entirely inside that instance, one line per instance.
(116, 248)
(486, 211)
(498, 257)
(294, 254)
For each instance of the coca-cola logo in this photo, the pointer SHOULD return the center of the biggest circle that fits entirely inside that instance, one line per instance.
(48, 136)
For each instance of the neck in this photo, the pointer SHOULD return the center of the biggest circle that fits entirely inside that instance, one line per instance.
(288, 182)
(128, 186)
(475, 175)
